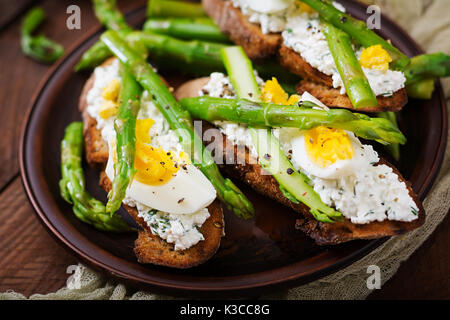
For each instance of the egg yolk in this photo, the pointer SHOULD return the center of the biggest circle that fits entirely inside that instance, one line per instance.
(274, 93)
(305, 8)
(375, 57)
(154, 165)
(108, 109)
(325, 146)
(110, 93)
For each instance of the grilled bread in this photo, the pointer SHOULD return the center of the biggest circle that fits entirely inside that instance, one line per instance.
(150, 248)
(237, 27)
(257, 45)
(322, 233)
(333, 98)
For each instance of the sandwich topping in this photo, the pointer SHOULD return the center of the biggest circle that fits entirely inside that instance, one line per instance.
(343, 171)
(220, 86)
(164, 174)
(302, 32)
(270, 15)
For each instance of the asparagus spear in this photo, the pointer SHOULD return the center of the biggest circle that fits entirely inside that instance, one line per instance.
(164, 8)
(422, 89)
(185, 28)
(197, 57)
(72, 185)
(293, 184)
(39, 47)
(125, 126)
(111, 17)
(303, 117)
(193, 55)
(422, 71)
(426, 66)
(355, 82)
(393, 148)
(94, 56)
(358, 30)
(180, 121)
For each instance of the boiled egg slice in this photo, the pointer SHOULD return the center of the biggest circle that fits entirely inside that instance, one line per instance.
(269, 6)
(186, 192)
(330, 153)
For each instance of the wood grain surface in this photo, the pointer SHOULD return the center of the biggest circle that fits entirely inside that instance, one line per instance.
(32, 262)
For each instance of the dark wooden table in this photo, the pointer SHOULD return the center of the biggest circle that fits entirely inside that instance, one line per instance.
(32, 262)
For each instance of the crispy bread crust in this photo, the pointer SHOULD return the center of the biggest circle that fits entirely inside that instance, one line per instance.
(322, 233)
(333, 98)
(236, 26)
(294, 62)
(96, 148)
(150, 248)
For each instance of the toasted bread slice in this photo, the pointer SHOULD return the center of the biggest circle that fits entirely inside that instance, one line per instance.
(150, 248)
(258, 46)
(333, 98)
(237, 27)
(294, 62)
(322, 233)
(96, 148)
(320, 85)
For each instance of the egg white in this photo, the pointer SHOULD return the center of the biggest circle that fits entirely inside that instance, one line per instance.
(187, 192)
(362, 154)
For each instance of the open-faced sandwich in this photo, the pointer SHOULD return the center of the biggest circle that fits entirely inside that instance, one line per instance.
(294, 32)
(316, 164)
(168, 197)
(297, 144)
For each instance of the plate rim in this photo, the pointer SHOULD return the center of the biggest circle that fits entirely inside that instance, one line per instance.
(166, 287)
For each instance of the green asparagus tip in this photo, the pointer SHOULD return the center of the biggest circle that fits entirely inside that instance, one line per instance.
(38, 47)
(240, 205)
(422, 89)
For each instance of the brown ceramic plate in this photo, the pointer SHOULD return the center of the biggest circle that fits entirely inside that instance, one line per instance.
(264, 253)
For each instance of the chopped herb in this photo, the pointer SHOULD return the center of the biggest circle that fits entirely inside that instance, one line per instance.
(414, 211)
(154, 227)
